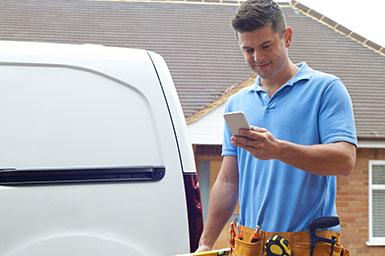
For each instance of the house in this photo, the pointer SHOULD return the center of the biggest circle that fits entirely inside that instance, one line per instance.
(197, 42)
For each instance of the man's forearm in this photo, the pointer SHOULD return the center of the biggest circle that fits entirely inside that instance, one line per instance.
(223, 200)
(324, 159)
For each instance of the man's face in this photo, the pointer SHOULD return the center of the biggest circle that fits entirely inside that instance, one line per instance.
(265, 51)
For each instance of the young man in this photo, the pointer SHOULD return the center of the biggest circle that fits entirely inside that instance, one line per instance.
(283, 171)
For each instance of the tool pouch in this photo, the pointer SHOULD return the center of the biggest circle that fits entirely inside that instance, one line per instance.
(299, 242)
(245, 248)
(321, 249)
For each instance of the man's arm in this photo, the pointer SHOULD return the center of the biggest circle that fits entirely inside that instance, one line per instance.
(223, 200)
(323, 159)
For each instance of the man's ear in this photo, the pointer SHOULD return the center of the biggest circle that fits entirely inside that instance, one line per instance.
(288, 37)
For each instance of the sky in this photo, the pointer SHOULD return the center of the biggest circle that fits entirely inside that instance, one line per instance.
(364, 17)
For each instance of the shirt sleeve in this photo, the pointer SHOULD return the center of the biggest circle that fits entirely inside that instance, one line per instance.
(336, 119)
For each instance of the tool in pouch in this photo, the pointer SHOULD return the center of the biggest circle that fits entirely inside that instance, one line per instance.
(234, 233)
(237, 234)
(255, 235)
(323, 222)
(277, 246)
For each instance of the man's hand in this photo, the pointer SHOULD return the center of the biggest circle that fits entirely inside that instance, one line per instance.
(258, 141)
(203, 248)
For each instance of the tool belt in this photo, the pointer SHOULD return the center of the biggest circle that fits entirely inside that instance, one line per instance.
(299, 242)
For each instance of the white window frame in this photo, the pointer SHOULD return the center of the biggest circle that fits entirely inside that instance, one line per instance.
(374, 241)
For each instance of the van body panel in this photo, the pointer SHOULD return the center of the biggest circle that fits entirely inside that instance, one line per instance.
(175, 111)
(62, 108)
(64, 246)
(71, 106)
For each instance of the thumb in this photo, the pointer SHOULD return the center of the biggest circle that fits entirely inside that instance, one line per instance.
(257, 129)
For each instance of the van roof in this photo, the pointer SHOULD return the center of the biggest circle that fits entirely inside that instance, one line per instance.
(25, 50)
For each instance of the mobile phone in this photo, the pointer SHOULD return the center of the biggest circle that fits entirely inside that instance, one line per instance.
(235, 121)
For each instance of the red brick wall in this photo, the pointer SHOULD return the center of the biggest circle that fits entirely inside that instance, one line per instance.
(353, 205)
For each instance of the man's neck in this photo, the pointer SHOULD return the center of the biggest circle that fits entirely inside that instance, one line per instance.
(272, 85)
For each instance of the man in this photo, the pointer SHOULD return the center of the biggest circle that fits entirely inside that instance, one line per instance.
(302, 135)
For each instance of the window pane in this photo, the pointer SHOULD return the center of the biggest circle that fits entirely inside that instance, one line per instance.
(378, 174)
(204, 185)
(379, 213)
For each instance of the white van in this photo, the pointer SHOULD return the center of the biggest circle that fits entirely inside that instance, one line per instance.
(94, 154)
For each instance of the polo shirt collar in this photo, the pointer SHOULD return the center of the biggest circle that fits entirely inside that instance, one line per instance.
(304, 73)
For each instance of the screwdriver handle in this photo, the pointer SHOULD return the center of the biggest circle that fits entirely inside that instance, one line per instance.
(234, 226)
(232, 235)
(254, 237)
(239, 236)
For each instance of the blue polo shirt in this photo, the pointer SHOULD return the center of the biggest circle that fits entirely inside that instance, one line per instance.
(311, 108)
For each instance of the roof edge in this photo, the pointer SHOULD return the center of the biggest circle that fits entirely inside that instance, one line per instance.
(214, 2)
(224, 97)
(337, 27)
(209, 2)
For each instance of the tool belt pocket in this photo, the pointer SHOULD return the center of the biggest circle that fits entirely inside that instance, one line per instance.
(243, 248)
(321, 249)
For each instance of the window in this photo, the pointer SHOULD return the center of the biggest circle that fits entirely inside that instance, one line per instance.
(204, 186)
(376, 202)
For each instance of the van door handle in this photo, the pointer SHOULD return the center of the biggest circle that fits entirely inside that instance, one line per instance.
(14, 176)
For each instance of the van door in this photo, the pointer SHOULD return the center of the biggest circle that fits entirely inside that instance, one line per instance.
(89, 159)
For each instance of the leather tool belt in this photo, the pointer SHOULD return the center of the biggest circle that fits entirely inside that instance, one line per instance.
(299, 243)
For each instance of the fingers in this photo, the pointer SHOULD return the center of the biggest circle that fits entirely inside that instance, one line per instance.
(245, 143)
(253, 133)
(258, 141)
(256, 149)
(241, 140)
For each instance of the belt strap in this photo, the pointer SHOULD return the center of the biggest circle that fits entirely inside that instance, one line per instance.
(302, 237)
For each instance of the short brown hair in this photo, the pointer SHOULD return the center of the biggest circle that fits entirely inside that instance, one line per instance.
(256, 14)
